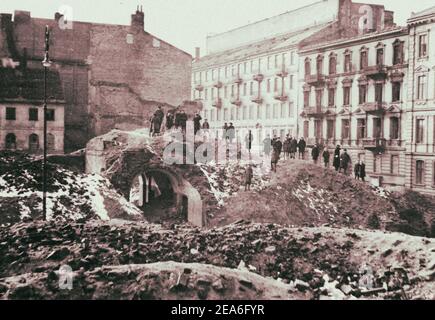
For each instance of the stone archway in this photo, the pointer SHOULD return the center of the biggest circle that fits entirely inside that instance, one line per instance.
(187, 200)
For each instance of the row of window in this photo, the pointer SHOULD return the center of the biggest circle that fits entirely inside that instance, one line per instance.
(377, 129)
(398, 58)
(363, 90)
(276, 61)
(275, 84)
(253, 112)
(33, 140)
(11, 114)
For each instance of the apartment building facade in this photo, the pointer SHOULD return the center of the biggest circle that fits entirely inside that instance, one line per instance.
(250, 75)
(354, 95)
(420, 125)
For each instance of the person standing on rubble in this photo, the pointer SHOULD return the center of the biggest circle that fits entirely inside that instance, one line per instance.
(249, 174)
(286, 147)
(293, 148)
(345, 162)
(159, 115)
(183, 120)
(315, 153)
(156, 123)
(301, 146)
(277, 149)
(326, 157)
(169, 120)
(248, 141)
(360, 171)
(337, 154)
(231, 132)
(267, 145)
(197, 123)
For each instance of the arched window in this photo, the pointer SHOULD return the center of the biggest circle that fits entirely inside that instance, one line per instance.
(33, 143)
(51, 146)
(307, 67)
(319, 64)
(11, 141)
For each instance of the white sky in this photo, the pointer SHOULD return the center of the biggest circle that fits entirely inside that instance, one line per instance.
(186, 23)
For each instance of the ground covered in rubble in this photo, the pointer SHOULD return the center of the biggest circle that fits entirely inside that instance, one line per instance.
(141, 261)
(70, 195)
(302, 194)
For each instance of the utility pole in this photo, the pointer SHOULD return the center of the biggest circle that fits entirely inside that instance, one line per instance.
(46, 63)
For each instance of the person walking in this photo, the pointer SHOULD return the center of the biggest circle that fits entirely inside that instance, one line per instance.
(196, 123)
(301, 146)
(326, 157)
(249, 174)
(344, 162)
(360, 171)
(315, 153)
(267, 145)
(337, 154)
(276, 154)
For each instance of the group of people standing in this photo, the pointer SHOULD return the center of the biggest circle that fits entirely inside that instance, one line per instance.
(177, 119)
(290, 147)
(341, 162)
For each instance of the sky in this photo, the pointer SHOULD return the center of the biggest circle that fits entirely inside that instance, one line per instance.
(186, 23)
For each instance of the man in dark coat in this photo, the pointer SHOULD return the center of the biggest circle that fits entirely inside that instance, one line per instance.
(156, 123)
(326, 156)
(159, 115)
(315, 153)
(345, 161)
(286, 147)
(277, 149)
(169, 120)
(248, 141)
(337, 154)
(177, 119)
(231, 132)
(293, 148)
(225, 131)
(301, 146)
(360, 171)
(183, 120)
(267, 145)
(197, 123)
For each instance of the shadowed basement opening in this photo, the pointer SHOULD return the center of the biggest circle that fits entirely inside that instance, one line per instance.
(154, 193)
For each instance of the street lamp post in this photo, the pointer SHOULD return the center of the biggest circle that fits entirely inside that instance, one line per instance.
(46, 63)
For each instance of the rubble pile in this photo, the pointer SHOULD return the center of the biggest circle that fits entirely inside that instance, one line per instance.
(70, 195)
(321, 263)
(302, 194)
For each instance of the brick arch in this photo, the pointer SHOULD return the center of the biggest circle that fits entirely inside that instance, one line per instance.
(181, 187)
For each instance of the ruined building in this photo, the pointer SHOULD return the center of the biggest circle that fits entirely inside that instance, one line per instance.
(112, 76)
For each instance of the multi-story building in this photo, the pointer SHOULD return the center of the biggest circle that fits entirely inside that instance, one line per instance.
(21, 112)
(112, 76)
(420, 126)
(250, 74)
(355, 90)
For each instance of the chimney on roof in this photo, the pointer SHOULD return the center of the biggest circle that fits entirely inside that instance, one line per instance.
(22, 16)
(138, 19)
(197, 53)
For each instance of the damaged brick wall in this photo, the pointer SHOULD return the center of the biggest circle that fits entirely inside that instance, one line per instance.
(89, 54)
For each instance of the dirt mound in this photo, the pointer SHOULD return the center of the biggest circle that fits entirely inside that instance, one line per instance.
(70, 195)
(322, 262)
(302, 194)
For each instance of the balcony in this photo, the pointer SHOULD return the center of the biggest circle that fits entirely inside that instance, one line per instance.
(374, 107)
(314, 112)
(376, 72)
(282, 73)
(374, 144)
(236, 101)
(238, 80)
(258, 77)
(257, 99)
(218, 84)
(199, 88)
(281, 97)
(217, 103)
(315, 80)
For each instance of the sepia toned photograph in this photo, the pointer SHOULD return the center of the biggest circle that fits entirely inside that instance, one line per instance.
(234, 152)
